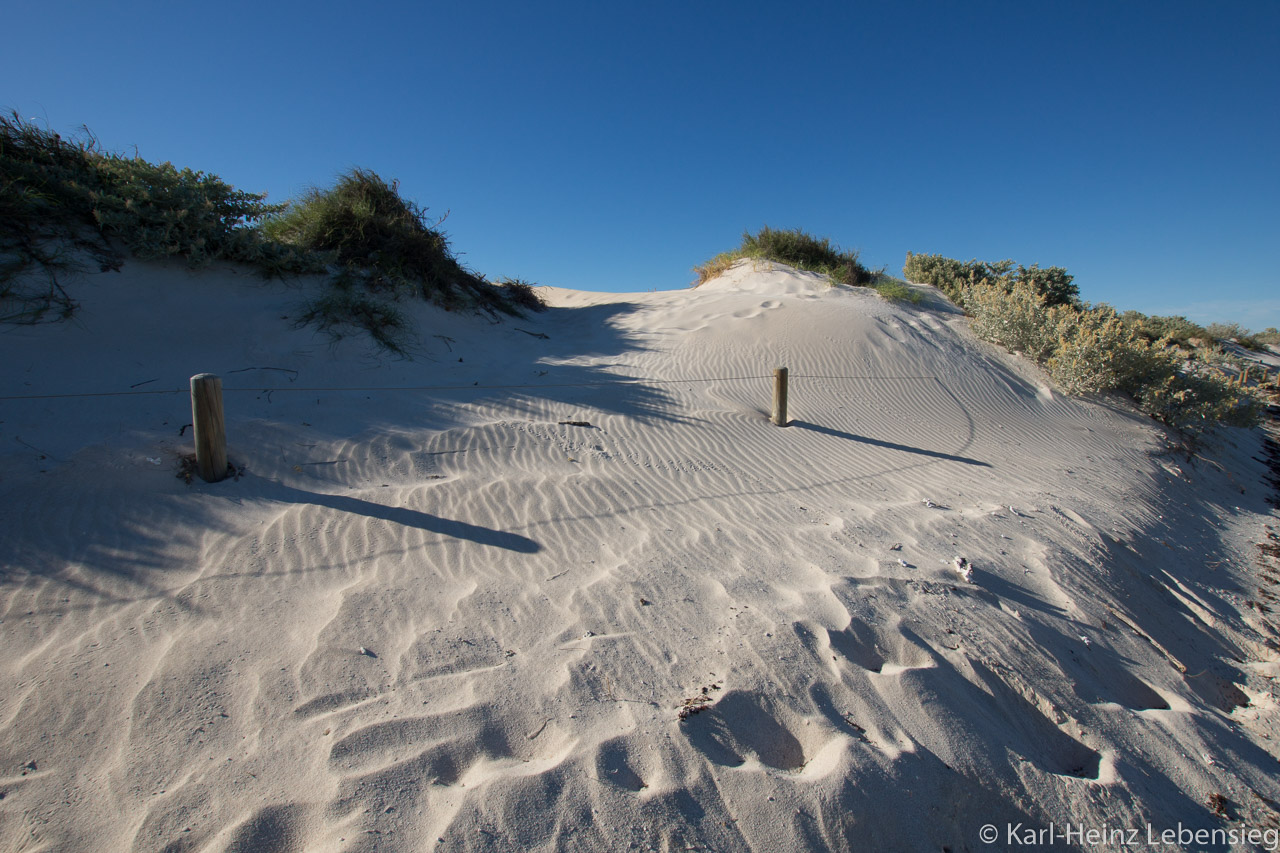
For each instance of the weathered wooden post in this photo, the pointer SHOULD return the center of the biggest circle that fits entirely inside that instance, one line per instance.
(780, 396)
(208, 427)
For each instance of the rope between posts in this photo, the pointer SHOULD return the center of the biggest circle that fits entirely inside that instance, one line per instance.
(621, 380)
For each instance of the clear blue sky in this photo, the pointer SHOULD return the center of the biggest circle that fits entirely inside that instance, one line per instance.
(612, 146)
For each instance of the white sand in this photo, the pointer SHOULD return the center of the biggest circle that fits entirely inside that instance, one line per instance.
(182, 665)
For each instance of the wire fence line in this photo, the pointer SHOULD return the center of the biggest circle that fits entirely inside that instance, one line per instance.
(621, 380)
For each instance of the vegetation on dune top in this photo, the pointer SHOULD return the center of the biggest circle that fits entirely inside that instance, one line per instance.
(895, 290)
(381, 247)
(1258, 341)
(792, 247)
(798, 249)
(384, 244)
(61, 200)
(1176, 330)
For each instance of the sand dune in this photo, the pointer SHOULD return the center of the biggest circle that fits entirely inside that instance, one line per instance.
(575, 592)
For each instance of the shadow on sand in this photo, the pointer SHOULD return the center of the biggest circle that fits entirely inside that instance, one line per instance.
(889, 445)
(409, 518)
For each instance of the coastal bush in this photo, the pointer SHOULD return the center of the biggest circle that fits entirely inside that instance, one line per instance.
(1226, 331)
(521, 294)
(1090, 350)
(1055, 284)
(1176, 329)
(1195, 401)
(954, 278)
(65, 202)
(795, 248)
(1018, 319)
(1097, 351)
(947, 274)
(1242, 336)
(1252, 342)
(62, 200)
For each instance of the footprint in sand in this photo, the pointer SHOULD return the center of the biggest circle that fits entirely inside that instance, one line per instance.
(615, 764)
(743, 725)
(277, 829)
(1001, 722)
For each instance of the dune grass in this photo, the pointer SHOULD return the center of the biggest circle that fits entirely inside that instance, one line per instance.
(341, 309)
(795, 248)
(381, 248)
(382, 243)
(895, 290)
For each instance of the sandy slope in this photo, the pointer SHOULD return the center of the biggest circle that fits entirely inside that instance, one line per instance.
(442, 619)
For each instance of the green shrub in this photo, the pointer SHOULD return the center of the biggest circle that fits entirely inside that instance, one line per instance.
(1196, 401)
(381, 243)
(61, 198)
(947, 274)
(159, 211)
(1242, 336)
(795, 248)
(1089, 350)
(521, 294)
(955, 277)
(1097, 351)
(1055, 284)
(1017, 319)
(1257, 343)
(1226, 331)
(1176, 329)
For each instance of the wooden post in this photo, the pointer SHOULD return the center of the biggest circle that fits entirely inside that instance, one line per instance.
(780, 396)
(208, 427)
